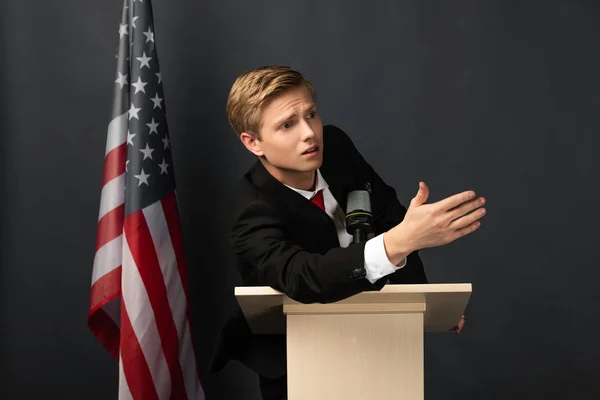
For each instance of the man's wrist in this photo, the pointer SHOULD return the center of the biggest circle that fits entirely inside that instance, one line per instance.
(396, 247)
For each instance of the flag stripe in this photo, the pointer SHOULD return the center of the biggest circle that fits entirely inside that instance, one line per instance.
(136, 369)
(105, 289)
(124, 392)
(105, 330)
(159, 231)
(169, 205)
(113, 195)
(144, 326)
(107, 259)
(187, 359)
(110, 226)
(114, 163)
(171, 211)
(113, 309)
(117, 132)
(140, 240)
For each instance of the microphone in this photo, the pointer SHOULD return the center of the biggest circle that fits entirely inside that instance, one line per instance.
(359, 220)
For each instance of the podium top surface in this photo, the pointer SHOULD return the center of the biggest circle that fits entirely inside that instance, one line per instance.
(444, 304)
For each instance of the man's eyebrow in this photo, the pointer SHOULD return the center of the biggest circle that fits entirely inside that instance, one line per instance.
(290, 115)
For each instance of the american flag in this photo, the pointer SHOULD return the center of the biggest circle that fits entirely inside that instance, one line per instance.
(139, 294)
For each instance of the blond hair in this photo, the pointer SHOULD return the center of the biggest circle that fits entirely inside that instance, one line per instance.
(254, 88)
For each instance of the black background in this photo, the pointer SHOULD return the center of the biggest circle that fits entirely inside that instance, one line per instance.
(499, 96)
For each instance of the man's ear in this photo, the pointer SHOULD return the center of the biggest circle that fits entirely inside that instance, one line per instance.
(251, 143)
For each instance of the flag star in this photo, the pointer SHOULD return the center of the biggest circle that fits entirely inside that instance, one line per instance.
(166, 141)
(153, 127)
(144, 60)
(126, 164)
(123, 30)
(156, 100)
(147, 152)
(122, 79)
(130, 137)
(163, 167)
(139, 85)
(159, 77)
(133, 112)
(133, 21)
(143, 178)
(149, 35)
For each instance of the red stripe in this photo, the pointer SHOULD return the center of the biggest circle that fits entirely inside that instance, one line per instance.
(135, 368)
(114, 163)
(145, 257)
(110, 226)
(105, 289)
(105, 330)
(171, 211)
(169, 206)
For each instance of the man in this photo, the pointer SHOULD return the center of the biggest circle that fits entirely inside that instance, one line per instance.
(289, 231)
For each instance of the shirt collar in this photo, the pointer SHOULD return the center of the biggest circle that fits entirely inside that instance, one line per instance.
(309, 194)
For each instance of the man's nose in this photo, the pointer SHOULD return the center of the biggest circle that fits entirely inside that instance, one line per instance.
(307, 131)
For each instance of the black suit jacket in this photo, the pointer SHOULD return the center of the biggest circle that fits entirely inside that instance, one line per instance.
(282, 240)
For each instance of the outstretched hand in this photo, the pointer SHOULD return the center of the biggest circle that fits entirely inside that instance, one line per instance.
(431, 225)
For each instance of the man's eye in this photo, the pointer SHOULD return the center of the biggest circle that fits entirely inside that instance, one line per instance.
(312, 114)
(287, 125)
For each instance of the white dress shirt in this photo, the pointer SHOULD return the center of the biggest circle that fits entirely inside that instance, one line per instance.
(377, 264)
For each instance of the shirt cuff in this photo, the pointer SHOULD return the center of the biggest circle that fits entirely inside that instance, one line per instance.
(377, 263)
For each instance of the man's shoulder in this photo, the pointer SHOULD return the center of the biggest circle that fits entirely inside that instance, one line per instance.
(251, 190)
(333, 134)
(340, 155)
(247, 188)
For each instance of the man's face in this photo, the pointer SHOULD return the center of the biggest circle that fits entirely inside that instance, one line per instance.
(291, 136)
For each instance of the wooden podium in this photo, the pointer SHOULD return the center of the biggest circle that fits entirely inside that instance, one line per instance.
(368, 346)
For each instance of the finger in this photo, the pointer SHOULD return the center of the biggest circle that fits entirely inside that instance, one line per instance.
(456, 200)
(460, 325)
(421, 196)
(465, 231)
(465, 208)
(467, 219)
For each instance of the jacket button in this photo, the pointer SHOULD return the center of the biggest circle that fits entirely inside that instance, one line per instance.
(358, 272)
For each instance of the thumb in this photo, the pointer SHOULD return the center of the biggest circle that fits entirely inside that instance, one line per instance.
(421, 196)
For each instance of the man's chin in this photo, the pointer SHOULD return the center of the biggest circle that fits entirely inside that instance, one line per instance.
(312, 165)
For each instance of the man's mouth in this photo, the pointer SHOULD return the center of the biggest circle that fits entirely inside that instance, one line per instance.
(313, 149)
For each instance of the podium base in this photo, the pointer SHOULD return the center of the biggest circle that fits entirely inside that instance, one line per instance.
(352, 352)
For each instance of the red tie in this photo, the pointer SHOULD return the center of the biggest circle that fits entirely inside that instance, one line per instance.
(318, 200)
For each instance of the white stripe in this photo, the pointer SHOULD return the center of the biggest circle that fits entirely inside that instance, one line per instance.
(113, 195)
(107, 258)
(117, 132)
(188, 361)
(124, 393)
(139, 309)
(159, 230)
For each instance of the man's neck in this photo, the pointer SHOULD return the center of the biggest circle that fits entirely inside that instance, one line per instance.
(296, 179)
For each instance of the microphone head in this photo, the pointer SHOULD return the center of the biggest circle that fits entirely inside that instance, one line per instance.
(359, 220)
(358, 200)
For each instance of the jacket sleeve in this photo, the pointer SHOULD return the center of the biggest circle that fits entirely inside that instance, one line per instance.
(260, 243)
(387, 210)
